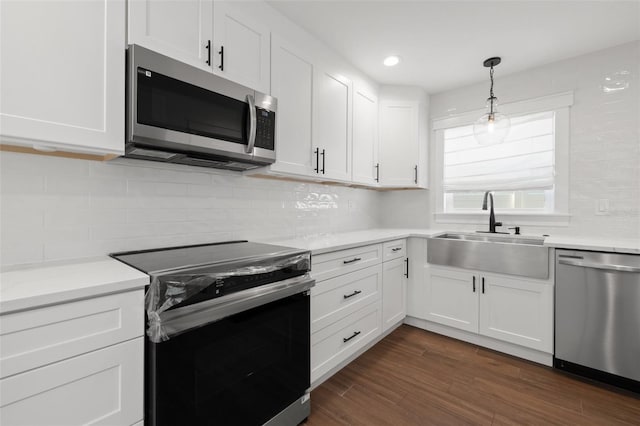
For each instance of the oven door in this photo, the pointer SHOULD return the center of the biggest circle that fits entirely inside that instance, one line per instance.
(176, 107)
(242, 369)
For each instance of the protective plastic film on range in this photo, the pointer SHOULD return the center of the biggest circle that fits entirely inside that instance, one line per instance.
(170, 288)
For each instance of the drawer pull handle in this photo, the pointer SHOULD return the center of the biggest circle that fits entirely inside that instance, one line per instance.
(355, 259)
(346, 339)
(396, 249)
(355, 293)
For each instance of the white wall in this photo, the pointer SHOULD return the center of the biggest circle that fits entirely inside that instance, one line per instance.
(58, 208)
(604, 140)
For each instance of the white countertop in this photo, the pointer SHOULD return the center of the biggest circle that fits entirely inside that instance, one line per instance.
(330, 242)
(30, 287)
(325, 243)
(617, 245)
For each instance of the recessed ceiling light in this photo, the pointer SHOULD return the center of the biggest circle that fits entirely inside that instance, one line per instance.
(391, 61)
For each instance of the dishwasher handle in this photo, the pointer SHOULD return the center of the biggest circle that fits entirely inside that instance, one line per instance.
(595, 265)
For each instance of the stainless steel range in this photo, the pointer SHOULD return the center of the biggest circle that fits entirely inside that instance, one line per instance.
(228, 336)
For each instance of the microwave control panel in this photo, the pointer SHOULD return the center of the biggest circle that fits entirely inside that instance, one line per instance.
(265, 129)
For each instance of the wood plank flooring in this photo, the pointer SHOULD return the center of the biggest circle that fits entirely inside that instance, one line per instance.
(414, 377)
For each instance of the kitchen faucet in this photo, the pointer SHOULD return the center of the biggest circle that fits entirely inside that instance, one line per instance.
(492, 216)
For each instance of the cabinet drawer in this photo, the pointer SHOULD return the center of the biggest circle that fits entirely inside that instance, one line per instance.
(103, 387)
(328, 265)
(33, 338)
(340, 296)
(328, 346)
(394, 249)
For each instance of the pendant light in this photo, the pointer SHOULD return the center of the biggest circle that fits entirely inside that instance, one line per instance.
(492, 127)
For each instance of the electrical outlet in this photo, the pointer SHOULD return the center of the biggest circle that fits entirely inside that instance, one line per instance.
(602, 207)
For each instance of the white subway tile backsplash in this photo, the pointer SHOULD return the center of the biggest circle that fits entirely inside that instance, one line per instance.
(21, 183)
(70, 208)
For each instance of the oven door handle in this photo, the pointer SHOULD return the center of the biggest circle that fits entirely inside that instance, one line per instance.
(179, 320)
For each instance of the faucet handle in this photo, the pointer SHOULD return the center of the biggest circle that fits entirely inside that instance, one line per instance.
(498, 224)
(517, 228)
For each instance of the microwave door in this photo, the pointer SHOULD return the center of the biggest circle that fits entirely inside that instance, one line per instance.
(174, 105)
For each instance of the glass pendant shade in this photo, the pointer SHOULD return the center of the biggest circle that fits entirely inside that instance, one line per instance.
(493, 127)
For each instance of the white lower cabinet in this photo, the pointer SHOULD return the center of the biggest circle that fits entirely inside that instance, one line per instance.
(504, 307)
(74, 363)
(103, 387)
(334, 344)
(357, 297)
(516, 310)
(451, 298)
(394, 292)
(344, 295)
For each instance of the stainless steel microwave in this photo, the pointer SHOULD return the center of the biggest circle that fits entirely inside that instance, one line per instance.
(177, 113)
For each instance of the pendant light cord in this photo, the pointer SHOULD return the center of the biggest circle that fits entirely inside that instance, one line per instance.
(491, 97)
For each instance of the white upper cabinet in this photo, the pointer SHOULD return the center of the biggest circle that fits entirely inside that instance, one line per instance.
(365, 137)
(180, 29)
(292, 84)
(332, 126)
(240, 47)
(211, 35)
(399, 144)
(63, 71)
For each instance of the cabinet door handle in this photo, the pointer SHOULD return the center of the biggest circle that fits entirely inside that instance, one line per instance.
(355, 293)
(323, 157)
(208, 47)
(317, 153)
(377, 172)
(474, 284)
(396, 248)
(355, 259)
(482, 285)
(407, 262)
(416, 175)
(221, 53)
(346, 339)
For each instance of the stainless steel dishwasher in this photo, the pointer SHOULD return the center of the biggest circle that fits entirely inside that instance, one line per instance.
(597, 316)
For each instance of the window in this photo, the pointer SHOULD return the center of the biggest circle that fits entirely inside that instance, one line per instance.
(528, 173)
(520, 170)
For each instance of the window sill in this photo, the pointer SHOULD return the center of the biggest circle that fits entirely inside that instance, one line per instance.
(508, 219)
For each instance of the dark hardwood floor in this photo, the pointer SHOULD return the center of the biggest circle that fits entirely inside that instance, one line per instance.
(414, 377)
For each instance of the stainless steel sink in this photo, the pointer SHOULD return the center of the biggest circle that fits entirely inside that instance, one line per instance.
(506, 254)
(508, 239)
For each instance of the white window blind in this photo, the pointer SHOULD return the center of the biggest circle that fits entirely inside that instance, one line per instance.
(525, 160)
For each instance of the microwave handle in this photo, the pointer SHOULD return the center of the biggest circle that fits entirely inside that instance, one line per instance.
(252, 123)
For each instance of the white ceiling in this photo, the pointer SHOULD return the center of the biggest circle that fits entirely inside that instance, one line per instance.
(442, 44)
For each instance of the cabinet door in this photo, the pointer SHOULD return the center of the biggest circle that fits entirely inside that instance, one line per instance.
(394, 292)
(399, 144)
(333, 125)
(180, 29)
(452, 298)
(63, 70)
(103, 387)
(292, 84)
(517, 311)
(241, 47)
(365, 137)
(416, 283)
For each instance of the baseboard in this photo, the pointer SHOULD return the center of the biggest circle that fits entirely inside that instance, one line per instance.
(484, 341)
